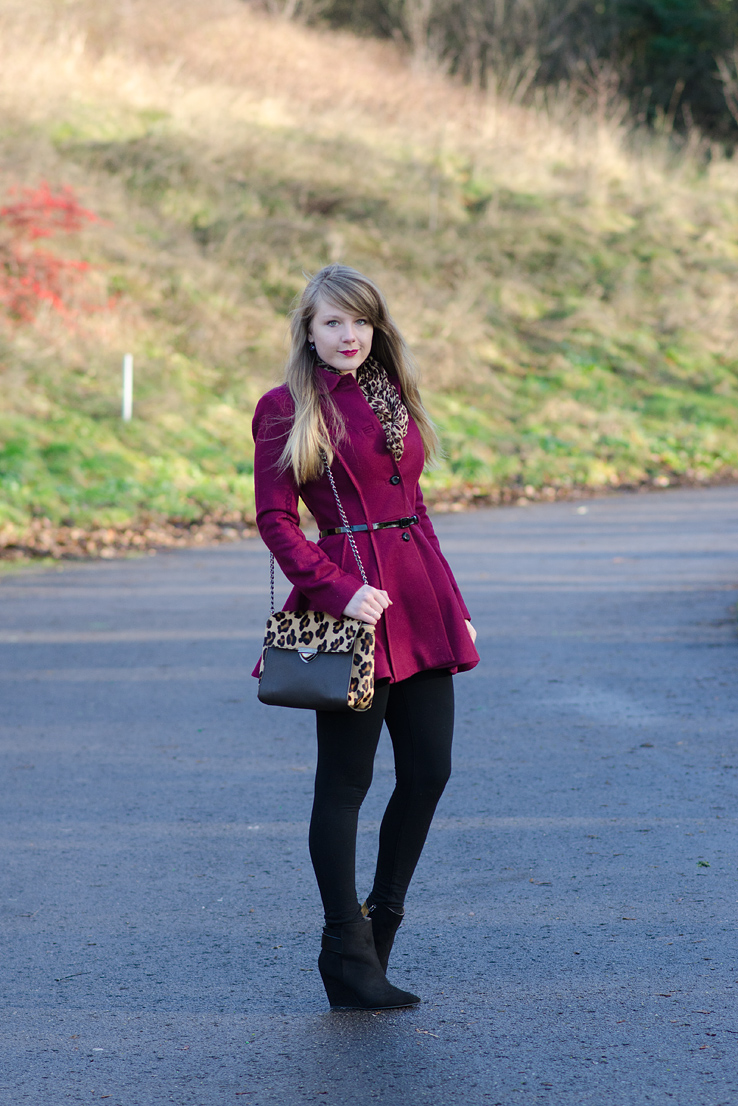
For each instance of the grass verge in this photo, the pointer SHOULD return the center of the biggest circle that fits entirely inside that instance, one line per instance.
(568, 287)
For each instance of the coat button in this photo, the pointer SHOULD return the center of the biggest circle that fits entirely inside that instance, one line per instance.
(406, 536)
(394, 479)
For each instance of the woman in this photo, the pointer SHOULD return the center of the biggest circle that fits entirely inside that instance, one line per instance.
(351, 396)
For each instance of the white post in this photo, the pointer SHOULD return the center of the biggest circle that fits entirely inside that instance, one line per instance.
(127, 387)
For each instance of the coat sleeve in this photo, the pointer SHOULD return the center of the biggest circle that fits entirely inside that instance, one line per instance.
(326, 586)
(427, 527)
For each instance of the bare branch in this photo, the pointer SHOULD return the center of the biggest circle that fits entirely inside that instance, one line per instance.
(297, 10)
(727, 66)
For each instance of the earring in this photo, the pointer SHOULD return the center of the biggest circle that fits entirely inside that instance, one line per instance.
(311, 347)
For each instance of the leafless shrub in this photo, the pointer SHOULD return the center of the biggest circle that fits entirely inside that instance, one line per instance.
(302, 11)
(728, 69)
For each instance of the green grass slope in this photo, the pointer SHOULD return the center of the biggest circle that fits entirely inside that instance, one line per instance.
(568, 289)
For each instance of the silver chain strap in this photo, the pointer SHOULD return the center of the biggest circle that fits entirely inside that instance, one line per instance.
(344, 520)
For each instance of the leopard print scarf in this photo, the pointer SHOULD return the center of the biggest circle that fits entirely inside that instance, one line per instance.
(385, 402)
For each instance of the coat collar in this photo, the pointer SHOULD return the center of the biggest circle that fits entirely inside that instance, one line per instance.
(331, 380)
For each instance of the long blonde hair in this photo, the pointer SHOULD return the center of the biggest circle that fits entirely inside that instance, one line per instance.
(318, 424)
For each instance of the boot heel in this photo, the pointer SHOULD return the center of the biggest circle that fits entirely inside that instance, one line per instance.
(339, 995)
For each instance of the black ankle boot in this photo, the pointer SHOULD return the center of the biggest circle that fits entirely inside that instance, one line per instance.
(385, 924)
(352, 975)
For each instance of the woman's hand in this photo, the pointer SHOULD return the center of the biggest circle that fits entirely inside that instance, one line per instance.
(472, 631)
(368, 605)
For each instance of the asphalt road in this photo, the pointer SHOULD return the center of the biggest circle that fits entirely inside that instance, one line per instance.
(572, 923)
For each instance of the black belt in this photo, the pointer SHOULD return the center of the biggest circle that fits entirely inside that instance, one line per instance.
(412, 520)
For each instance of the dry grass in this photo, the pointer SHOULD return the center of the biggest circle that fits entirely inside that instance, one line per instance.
(576, 281)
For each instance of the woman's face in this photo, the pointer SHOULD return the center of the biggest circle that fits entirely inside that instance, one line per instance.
(343, 340)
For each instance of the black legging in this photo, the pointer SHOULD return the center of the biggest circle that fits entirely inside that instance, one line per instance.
(419, 713)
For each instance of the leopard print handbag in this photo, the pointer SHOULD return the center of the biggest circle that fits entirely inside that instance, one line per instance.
(314, 661)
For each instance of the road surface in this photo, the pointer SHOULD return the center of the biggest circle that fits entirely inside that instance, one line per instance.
(571, 927)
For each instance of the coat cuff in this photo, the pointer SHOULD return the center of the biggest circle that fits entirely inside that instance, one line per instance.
(335, 599)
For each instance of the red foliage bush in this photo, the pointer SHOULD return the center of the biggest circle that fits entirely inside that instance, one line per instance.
(31, 277)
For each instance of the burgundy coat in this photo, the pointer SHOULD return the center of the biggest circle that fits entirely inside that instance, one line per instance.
(424, 628)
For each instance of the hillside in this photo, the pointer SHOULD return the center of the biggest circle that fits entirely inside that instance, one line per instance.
(569, 289)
